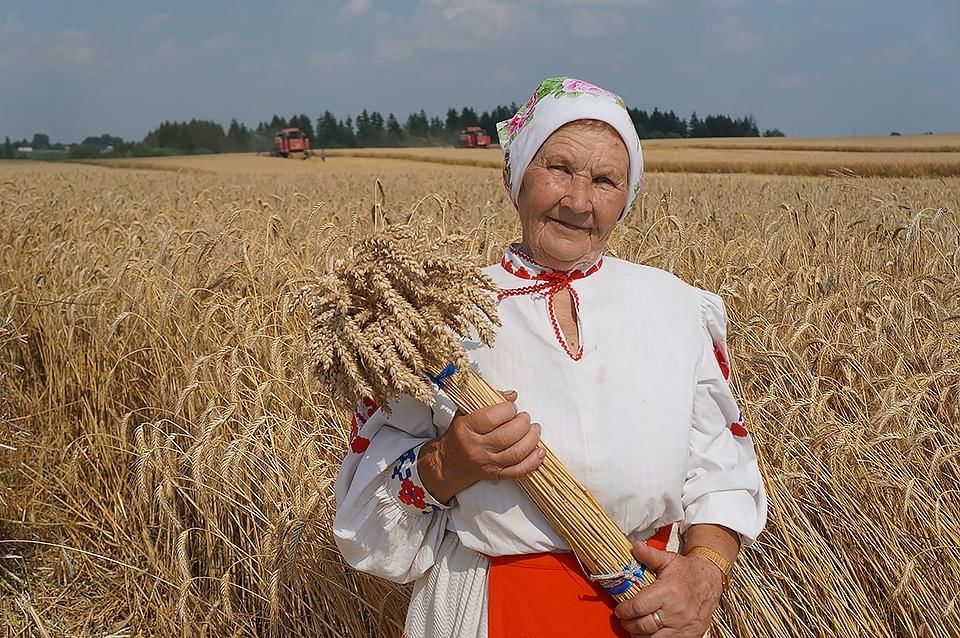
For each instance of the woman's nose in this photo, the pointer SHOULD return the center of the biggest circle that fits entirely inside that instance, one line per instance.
(578, 195)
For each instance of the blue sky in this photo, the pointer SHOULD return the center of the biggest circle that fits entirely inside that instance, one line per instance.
(809, 67)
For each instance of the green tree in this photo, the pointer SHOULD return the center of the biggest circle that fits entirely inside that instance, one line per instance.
(453, 121)
(468, 117)
(695, 126)
(417, 125)
(394, 132)
(238, 137)
(437, 128)
(7, 148)
(327, 131)
(41, 141)
(348, 136)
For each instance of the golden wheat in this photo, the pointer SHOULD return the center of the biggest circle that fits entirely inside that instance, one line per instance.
(172, 464)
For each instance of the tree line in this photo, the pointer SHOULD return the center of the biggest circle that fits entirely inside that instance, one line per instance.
(366, 129)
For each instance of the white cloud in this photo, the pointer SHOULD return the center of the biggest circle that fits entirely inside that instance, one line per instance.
(356, 7)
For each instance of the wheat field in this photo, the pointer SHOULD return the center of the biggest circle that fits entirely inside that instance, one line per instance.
(166, 465)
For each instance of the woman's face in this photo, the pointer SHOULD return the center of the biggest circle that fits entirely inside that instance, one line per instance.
(573, 193)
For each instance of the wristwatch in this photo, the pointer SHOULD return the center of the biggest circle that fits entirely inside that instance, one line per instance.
(726, 567)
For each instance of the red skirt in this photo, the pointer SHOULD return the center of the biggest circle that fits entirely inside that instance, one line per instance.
(539, 595)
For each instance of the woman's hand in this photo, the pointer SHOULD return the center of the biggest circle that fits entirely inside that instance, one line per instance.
(685, 595)
(487, 445)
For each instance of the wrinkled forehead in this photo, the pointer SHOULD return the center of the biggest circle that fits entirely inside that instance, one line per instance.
(589, 136)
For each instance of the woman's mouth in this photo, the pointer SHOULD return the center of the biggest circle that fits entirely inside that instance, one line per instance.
(566, 224)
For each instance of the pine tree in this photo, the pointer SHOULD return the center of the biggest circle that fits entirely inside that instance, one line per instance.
(394, 132)
(695, 127)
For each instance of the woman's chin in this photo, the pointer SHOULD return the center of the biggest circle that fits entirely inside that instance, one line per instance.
(560, 254)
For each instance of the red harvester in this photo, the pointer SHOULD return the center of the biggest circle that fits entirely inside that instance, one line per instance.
(474, 137)
(291, 142)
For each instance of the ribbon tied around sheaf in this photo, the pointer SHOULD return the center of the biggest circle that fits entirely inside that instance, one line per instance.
(616, 583)
(443, 375)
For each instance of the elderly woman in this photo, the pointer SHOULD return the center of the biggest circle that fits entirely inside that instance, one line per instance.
(624, 365)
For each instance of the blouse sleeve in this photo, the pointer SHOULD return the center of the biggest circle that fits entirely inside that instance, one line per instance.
(723, 485)
(387, 523)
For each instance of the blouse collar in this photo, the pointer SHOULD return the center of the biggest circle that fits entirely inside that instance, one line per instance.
(519, 264)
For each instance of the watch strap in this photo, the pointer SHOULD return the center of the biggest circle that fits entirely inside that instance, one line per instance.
(725, 566)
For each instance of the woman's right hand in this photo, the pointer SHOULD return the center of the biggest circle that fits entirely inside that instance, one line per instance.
(487, 445)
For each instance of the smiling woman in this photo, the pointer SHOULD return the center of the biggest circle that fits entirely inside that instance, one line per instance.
(573, 193)
(626, 366)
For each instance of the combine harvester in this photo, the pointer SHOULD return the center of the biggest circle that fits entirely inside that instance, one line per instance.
(292, 143)
(474, 137)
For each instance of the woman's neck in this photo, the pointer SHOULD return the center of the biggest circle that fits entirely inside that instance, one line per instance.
(549, 263)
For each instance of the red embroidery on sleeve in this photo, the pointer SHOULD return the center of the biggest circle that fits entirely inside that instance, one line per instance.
(412, 494)
(737, 428)
(721, 361)
(366, 409)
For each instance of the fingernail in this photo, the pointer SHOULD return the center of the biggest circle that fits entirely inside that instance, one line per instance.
(542, 453)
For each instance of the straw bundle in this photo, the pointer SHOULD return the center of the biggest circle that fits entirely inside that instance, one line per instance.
(384, 322)
(597, 541)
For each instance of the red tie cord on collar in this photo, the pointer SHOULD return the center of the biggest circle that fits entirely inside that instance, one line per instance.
(550, 284)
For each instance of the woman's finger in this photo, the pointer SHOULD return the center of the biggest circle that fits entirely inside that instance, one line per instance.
(648, 600)
(520, 449)
(486, 420)
(642, 626)
(524, 467)
(508, 434)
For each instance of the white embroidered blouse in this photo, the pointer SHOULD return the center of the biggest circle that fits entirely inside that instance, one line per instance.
(642, 415)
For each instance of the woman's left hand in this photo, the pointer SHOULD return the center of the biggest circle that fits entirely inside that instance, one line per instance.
(685, 595)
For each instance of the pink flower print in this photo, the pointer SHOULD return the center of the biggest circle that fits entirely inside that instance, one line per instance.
(519, 120)
(579, 86)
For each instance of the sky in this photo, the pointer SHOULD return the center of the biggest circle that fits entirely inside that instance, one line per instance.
(75, 68)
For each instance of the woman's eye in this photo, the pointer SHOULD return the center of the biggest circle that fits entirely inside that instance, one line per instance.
(560, 167)
(603, 180)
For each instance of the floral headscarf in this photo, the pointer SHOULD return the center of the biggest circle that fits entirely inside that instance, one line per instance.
(559, 101)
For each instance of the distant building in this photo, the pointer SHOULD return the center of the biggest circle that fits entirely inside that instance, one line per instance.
(107, 149)
(24, 149)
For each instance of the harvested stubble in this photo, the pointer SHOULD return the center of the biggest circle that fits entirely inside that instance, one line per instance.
(385, 320)
(149, 301)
